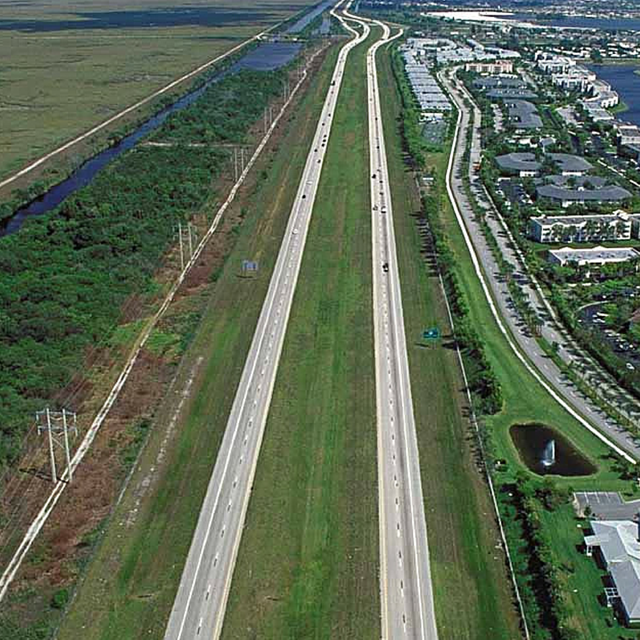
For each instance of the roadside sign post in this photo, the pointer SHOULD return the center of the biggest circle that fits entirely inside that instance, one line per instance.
(249, 267)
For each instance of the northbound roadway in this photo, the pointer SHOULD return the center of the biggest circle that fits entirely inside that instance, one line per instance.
(406, 588)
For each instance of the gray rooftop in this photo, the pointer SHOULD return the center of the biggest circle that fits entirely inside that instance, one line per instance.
(493, 82)
(576, 182)
(595, 254)
(501, 93)
(569, 162)
(518, 162)
(618, 542)
(525, 114)
(611, 193)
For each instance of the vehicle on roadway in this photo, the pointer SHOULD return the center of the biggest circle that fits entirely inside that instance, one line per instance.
(385, 267)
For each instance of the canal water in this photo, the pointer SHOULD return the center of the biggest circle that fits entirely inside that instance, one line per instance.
(626, 82)
(309, 17)
(581, 22)
(265, 57)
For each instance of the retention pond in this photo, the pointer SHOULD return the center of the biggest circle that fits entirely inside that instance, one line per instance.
(545, 451)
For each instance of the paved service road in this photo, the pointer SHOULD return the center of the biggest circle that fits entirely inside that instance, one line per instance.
(406, 590)
(199, 607)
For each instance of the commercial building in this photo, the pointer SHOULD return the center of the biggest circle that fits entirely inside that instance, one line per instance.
(425, 87)
(596, 112)
(495, 82)
(628, 134)
(597, 256)
(520, 164)
(617, 543)
(551, 63)
(451, 52)
(523, 114)
(502, 93)
(570, 165)
(499, 66)
(585, 190)
(569, 75)
(591, 228)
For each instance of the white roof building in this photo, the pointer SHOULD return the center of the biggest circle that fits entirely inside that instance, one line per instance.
(596, 256)
(619, 545)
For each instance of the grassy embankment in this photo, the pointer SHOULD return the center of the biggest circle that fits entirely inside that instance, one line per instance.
(131, 583)
(71, 64)
(308, 562)
(462, 533)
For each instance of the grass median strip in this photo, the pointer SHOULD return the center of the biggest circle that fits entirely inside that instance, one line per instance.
(308, 561)
(462, 532)
(136, 571)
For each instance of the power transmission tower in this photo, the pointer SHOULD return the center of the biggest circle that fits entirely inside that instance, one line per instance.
(191, 231)
(57, 424)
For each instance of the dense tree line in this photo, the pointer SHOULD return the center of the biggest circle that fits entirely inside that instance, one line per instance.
(66, 274)
(483, 383)
(540, 580)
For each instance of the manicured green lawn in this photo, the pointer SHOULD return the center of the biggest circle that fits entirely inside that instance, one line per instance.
(582, 579)
(308, 562)
(131, 583)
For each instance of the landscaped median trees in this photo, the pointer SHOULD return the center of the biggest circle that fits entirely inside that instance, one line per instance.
(66, 274)
(483, 383)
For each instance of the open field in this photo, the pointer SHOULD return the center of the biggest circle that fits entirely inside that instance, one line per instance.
(308, 562)
(133, 576)
(69, 66)
(461, 529)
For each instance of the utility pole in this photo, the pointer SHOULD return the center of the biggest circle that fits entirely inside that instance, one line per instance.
(181, 247)
(190, 241)
(242, 158)
(51, 454)
(56, 424)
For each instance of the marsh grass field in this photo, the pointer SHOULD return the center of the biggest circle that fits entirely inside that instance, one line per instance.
(69, 66)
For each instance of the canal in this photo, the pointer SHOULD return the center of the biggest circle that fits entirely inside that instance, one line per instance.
(267, 56)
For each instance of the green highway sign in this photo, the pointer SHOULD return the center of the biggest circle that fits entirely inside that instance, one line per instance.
(431, 334)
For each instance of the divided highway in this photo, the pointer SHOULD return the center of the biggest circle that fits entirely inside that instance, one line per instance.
(200, 603)
(405, 578)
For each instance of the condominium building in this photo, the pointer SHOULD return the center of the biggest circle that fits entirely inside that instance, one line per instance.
(590, 228)
(597, 256)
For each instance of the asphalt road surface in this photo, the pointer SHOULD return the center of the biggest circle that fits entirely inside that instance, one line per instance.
(199, 607)
(405, 579)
